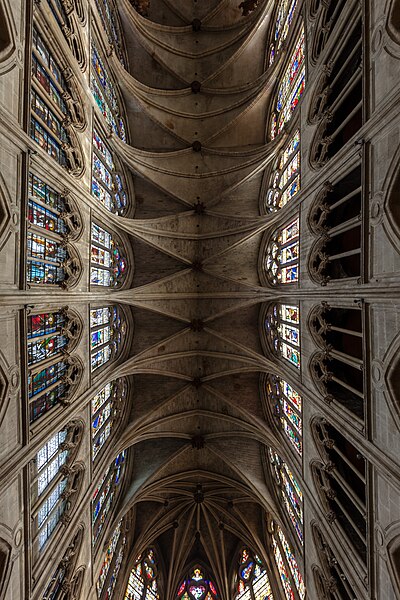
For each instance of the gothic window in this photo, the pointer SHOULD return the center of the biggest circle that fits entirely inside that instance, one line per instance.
(287, 407)
(66, 583)
(107, 182)
(286, 563)
(282, 325)
(291, 87)
(108, 267)
(142, 583)
(326, 15)
(285, 178)
(284, 18)
(55, 481)
(106, 329)
(105, 495)
(337, 369)
(68, 15)
(52, 373)
(197, 585)
(111, 24)
(335, 217)
(341, 479)
(50, 258)
(338, 98)
(106, 409)
(105, 94)
(252, 581)
(282, 255)
(330, 581)
(51, 116)
(290, 493)
(111, 566)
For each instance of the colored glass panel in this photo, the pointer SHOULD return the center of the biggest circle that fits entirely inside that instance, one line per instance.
(104, 495)
(105, 567)
(291, 560)
(283, 574)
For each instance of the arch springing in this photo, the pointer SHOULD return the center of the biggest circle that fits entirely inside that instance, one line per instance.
(106, 329)
(107, 181)
(108, 266)
(282, 255)
(287, 407)
(252, 581)
(104, 495)
(282, 325)
(285, 178)
(290, 492)
(143, 579)
(287, 566)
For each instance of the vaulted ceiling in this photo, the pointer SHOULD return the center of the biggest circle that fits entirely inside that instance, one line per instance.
(197, 96)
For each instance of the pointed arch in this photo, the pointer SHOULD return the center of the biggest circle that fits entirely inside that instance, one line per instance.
(251, 579)
(143, 582)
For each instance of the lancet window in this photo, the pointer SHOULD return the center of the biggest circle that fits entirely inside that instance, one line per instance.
(105, 495)
(105, 94)
(67, 580)
(291, 87)
(111, 24)
(197, 585)
(330, 580)
(337, 369)
(106, 328)
(285, 178)
(335, 217)
(290, 494)
(287, 407)
(51, 221)
(106, 410)
(111, 566)
(69, 15)
(107, 183)
(287, 566)
(252, 581)
(341, 480)
(282, 255)
(143, 579)
(53, 373)
(55, 481)
(51, 115)
(284, 18)
(325, 16)
(108, 266)
(282, 325)
(337, 103)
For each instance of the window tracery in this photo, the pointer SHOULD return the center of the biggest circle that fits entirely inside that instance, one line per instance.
(108, 266)
(53, 374)
(337, 103)
(111, 566)
(54, 110)
(291, 87)
(55, 481)
(282, 326)
(197, 585)
(285, 178)
(106, 410)
(290, 492)
(52, 221)
(287, 407)
(252, 582)
(69, 15)
(330, 580)
(143, 579)
(283, 21)
(66, 583)
(105, 494)
(106, 329)
(335, 217)
(337, 368)
(287, 566)
(326, 15)
(110, 20)
(108, 185)
(282, 255)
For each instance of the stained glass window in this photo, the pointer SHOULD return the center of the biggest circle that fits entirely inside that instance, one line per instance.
(287, 405)
(110, 21)
(284, 17)
(252, 578)
(105, 406)
(105, 494)
(197, 585)
(111, 563)
(291, 494)
(142, 583)
(107, 183)
(106, 329)
(282, 255)
(285, 179)
(105, 95)
(282, 326)
(286, 563)
(108, 266)
(48, 109)
(291, 87)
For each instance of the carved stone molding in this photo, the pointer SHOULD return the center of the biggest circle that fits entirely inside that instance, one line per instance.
(10, 47)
